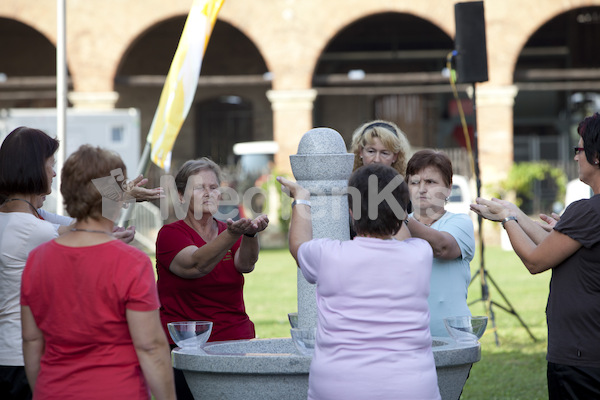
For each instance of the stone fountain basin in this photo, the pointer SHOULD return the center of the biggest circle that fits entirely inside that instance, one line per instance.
(271, 369)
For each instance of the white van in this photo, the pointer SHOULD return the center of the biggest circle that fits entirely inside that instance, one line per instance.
(577, 190)
(461, 196)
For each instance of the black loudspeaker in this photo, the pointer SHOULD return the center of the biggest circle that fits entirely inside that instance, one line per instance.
(471, 54)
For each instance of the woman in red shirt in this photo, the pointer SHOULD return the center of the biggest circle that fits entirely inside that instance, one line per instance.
(89, 304)
(201, 261)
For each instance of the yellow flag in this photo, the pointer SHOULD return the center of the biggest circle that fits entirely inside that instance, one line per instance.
(180, 87)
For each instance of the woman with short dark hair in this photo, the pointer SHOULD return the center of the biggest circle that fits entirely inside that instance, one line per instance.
(451, 236)
(26, 173)
(373, 339)
(572, 251)
(89, 304)
(25, 162)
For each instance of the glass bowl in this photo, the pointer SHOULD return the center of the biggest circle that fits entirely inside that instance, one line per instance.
(190, 334)
(304, 340)
(466, 329)
(293, 318)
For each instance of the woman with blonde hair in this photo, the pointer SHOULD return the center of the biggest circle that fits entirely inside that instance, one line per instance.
(381, 142)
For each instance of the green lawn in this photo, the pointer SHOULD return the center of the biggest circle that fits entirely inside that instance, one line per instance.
(514, 370)
(271, 293)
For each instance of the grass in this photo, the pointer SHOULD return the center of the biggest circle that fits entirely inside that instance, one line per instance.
(516, 369)
(271, 293)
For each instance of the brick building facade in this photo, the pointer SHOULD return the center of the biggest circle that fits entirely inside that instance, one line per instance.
(276, 68)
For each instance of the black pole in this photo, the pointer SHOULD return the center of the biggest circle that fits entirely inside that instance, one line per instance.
(483, 274)
(485, 291)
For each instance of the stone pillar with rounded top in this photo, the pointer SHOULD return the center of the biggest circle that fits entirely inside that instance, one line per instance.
(272, 369)
(322, 166)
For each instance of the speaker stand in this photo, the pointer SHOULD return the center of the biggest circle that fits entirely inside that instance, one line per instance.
(482, 273)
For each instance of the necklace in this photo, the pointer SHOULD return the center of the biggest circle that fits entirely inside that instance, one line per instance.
(30, 205)
(432, 222)
(90, 231)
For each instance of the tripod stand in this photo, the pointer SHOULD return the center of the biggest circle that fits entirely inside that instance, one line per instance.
(483, 274)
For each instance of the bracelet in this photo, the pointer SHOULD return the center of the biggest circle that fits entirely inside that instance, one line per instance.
(248, 235)
(406, 221)
(509, 218)
(300, 201)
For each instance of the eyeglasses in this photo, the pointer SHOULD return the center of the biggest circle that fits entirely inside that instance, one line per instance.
(578, 150)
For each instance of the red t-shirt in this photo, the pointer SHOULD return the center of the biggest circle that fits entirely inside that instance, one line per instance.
(216, 297)
(78, 297)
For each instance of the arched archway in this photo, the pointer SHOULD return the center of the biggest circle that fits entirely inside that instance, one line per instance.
(559, 84)
(387, 66)
(28, 78)
(222, 122)
(232, 68)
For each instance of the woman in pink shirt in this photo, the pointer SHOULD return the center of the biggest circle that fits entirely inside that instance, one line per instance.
(373, 339)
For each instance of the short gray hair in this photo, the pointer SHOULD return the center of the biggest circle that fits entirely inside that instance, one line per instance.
(192, 167)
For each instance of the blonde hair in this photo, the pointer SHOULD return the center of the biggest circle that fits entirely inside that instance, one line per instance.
(391, 137)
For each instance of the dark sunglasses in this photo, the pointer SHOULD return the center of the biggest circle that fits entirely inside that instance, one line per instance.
(578, 150)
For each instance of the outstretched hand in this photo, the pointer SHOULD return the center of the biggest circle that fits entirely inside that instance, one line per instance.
(494, 209)
(293, 189)
(550, 221)
(125, 235)
(136, 189)
(507, 204)
(247, 226)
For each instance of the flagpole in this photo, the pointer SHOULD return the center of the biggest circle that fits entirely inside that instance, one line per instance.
(61, 97)
(179, 89)
(143, 165)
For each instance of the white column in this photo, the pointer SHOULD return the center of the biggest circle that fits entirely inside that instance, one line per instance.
(94, 100)
(495, 131)
(292, 117)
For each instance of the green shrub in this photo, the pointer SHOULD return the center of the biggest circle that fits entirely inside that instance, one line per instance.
(522, 178)
(282, 202)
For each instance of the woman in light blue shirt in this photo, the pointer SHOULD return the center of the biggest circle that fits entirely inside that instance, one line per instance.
(429, 178)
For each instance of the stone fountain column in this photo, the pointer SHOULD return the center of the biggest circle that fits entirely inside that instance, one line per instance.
(271, 369)
(323, 166)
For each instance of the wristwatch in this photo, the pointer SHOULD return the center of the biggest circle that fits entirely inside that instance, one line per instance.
(509, 218)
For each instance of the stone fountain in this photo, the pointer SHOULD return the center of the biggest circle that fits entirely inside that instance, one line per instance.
(271, 369)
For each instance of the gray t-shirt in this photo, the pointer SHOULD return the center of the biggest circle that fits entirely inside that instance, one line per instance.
(573, 310)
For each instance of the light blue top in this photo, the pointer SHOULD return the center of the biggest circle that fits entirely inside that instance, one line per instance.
(450, 278)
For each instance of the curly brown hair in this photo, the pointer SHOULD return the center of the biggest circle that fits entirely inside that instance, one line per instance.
(82, 198)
